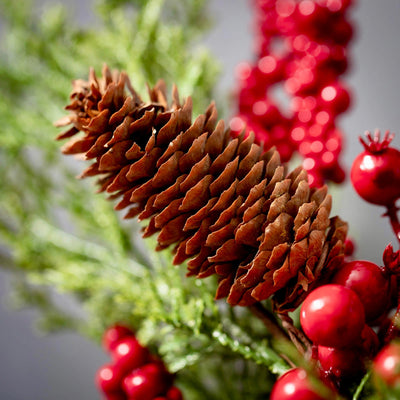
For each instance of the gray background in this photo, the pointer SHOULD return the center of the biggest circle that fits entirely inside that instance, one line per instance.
(62, 366)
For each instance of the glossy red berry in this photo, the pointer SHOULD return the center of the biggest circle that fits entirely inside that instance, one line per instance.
(295, 385)
(375, 173)
(371, 284)
(147, 382)
(386, 366)
(332, 316)
(335, 97)
(114, 334)
(129, 354)
(109, 378)
(341, 363)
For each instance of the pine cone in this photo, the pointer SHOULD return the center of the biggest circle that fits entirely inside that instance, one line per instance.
(218, 200)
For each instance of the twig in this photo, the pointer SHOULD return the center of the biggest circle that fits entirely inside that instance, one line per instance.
(394, 220)
(302, 343)
(395, 320)
(269, 320)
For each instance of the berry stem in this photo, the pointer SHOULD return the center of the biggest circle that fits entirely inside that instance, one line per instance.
(394, 220)
(287, 331)
(269, 321)
(302, 343)
(392, 331)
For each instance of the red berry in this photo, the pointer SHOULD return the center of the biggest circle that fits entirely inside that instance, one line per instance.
(146, 382)
(174, 393)
(115, 396)
(349, 247)
(332, 316)
(294, 385)
(311, 18)
(387, 364)
(370, 342)
(341, 31)
(114, 334)
(370, 283)
(129, 354)
(335, 97)
(337, 5)
(375, 173)
(342, 363)
(109, 378)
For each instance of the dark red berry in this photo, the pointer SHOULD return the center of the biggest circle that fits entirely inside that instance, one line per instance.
(371, 284)
(109, 378)
(174, 393)
(332, 316)
(375, 173)
(386, 366)
(115, 396)
(369, 342)
(114, 334)
(129, 354)
(341, 363)
(147, 382)
(295, 385)
(349, 247)
(347, 363)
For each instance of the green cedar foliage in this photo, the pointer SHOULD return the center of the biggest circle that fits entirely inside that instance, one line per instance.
(56, 234)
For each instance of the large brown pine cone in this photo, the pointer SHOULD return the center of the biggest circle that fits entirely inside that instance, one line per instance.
(218, 200)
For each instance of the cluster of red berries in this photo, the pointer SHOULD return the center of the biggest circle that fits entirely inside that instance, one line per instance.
(339, 318)
(301, 50)
(296, 384)
(134, 374)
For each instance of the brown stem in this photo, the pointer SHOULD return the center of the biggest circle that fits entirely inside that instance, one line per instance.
(394, 220)
(302, 343)
(393, 328)
(286, 332)
(269, 320)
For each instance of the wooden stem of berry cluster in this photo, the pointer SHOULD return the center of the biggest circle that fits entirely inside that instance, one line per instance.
(395, 223)
(270, 321)
(302, 343)
(394, 220)
(395, 323)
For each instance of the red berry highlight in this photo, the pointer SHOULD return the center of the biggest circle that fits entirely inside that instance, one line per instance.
(295, 385)
(147, 382)
(386, 366)
(129, 354)
(109, 378)
(114, 334)
(332, 316)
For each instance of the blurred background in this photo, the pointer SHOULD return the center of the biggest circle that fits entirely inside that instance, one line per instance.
(62, 366)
